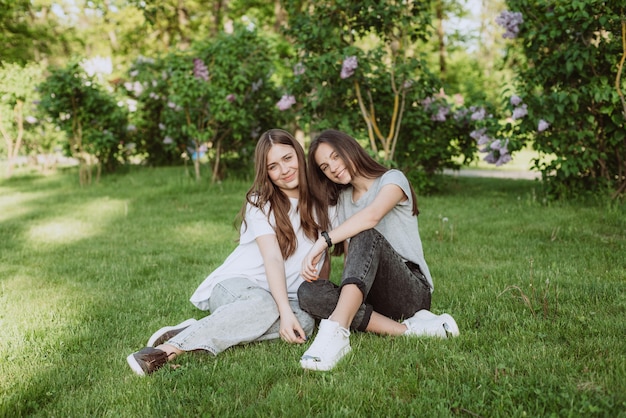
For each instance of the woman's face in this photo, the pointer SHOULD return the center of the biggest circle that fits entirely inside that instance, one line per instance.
(332, 165)
(282, 168)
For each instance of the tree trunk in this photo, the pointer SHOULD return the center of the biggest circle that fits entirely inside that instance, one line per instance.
(441, 40)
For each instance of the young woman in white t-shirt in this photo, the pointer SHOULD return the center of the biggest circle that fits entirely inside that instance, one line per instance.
(385, 277)
(252, 296)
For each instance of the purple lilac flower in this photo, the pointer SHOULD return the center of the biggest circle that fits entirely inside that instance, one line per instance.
(543, 125)
(484, 139)
(504, 149)
(477, 133)
(503, 159)
(407, 84)
(520, 112)
(299, 69)
(440, 116)
(481, 137)
(460, 114)
(428, 101)
(168, 140)
(200, 71)
(286, 102)
(490, 158)
(348, 67)
(479, 114)
(510, 21)
(231, 97)
(516, 100)
(495, 145)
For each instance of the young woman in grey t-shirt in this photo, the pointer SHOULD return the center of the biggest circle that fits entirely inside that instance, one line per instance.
(385, 277)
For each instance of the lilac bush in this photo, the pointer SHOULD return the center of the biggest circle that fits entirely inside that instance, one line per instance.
(206, 105)
(569, 64)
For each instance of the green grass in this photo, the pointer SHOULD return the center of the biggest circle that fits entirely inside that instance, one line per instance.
(87, 274)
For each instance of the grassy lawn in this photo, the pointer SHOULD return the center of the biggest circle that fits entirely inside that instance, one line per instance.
(87, 274)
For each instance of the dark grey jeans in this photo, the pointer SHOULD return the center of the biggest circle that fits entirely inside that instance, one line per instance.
(390, 286)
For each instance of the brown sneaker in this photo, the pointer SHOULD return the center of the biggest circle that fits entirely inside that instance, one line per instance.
(166, 333)
(147, 361)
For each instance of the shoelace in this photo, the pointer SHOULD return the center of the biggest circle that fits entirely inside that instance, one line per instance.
(446, 328)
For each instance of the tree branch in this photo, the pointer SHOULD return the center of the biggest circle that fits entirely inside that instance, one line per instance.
(366, 116)
(620, 67)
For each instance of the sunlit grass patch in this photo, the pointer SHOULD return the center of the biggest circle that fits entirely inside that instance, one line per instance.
(14, 203)
(79, 223)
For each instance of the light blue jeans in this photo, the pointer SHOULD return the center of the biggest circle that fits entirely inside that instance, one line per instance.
(241, 312)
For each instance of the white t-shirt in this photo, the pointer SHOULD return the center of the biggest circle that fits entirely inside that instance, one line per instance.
(246, 261)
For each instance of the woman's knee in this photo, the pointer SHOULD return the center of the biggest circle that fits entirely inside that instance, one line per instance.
(305, 293)
(318, 297)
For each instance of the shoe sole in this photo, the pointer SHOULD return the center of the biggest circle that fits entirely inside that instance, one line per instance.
(452, 329)
(132, 362)
(311, 364)
(163, 330)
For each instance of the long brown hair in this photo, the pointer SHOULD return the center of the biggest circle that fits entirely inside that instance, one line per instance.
(263, 190)
(325, 192)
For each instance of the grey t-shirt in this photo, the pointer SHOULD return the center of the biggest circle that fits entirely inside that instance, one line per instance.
(399, 226)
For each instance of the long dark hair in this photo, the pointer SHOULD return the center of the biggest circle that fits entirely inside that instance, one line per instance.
(263, 190)
(326, 192)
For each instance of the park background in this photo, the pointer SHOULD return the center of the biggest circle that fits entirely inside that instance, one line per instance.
(128, 133)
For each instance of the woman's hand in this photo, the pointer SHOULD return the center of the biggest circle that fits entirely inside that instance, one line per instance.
(311, 260)
(290, 329)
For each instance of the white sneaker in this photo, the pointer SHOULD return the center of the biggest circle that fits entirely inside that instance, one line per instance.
(168, 332)
(430, 325)
(425, 314)
(330, 345)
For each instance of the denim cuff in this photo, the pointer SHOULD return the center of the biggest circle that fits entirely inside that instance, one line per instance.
(366, 318)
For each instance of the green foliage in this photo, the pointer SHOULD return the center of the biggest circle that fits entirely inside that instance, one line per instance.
(17, 97)
(438, 131)
(215, 98)
(381, 99)
(31, 32)
(147, 91)
(380, 36)
(90, 116)
(572, 79)
(19, 124)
